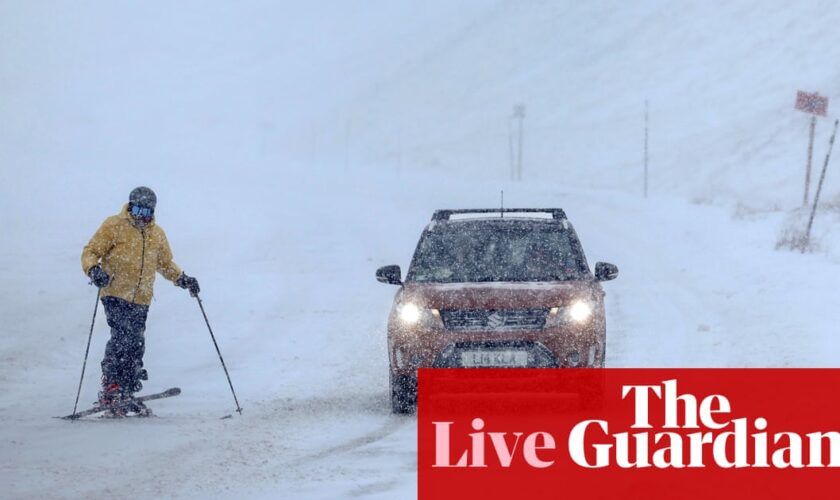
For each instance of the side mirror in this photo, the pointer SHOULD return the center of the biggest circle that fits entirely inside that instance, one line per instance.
(390, 275)
(604, 271)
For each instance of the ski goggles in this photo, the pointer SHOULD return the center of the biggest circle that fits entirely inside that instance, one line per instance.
(142, 213)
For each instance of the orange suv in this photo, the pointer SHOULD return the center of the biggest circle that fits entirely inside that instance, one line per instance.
(491, 288)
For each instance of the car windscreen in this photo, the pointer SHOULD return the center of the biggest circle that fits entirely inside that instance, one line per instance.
(475, 252)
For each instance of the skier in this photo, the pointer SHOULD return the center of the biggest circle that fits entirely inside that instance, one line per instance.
(121, 260)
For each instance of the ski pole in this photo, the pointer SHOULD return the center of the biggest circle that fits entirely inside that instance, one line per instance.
(87, 350)
(238, 409)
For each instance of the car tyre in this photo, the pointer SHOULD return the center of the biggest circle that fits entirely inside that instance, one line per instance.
(403, 394)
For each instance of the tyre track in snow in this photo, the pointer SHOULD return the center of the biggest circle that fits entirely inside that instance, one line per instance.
(359, 428)
(390, 426)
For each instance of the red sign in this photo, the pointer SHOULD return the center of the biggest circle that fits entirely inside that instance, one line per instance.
(811, 103)
(628, 433)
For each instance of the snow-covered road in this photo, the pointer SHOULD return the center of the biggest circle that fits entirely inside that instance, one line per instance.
(300, 320)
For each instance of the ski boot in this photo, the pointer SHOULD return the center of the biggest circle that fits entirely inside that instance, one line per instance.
(135, 408)
(111, 397)
(132, 406)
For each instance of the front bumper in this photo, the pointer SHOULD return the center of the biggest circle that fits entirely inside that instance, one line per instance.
(566, 347)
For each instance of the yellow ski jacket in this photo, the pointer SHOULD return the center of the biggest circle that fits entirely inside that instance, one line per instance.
(130, 255)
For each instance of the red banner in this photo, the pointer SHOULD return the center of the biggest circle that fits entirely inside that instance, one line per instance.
(628, 433)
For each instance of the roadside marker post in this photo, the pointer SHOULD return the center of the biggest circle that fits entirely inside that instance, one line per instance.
(819, 188)
(815, 105)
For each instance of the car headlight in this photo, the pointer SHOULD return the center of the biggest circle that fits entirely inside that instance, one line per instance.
(578, 311)
(411, 314)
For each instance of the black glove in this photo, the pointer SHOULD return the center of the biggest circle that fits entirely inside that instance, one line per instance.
(99, 277)
(188, 283)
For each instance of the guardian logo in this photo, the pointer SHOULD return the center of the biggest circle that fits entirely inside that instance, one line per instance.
(600, 433)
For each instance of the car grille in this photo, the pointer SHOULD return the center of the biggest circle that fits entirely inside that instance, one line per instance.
(493, 319)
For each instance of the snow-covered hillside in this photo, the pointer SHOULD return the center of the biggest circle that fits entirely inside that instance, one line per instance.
(720, 78)
(296, 149)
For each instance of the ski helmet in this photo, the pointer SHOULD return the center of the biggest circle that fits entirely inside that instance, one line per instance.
(143, 197)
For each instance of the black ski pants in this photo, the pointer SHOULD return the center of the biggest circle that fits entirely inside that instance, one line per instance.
(123, 362)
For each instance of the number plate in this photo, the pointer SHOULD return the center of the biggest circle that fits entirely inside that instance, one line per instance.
(476, 359)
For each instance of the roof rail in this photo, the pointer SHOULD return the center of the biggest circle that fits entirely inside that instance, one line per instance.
(556, 213)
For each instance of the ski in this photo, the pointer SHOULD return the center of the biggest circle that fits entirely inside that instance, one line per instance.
(174, 391)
